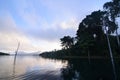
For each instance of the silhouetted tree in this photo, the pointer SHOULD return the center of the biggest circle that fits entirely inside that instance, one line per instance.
(96, 26)
(91, 30)
(113, 11)
(67, 42)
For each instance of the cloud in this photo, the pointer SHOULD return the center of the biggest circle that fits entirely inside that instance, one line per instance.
(11, 34)
(54, 31)
(39, 24)
(7, 23)
(9, 42)
(40, 27)
(46, 45)
(71, 24)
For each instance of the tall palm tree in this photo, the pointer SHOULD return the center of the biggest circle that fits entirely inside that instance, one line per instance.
(113, 11)
(106, 26)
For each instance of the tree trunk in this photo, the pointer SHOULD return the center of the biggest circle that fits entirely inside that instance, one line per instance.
(111, 55)
(118, 41)
(14, 63)
(88, 56)
(16, 52)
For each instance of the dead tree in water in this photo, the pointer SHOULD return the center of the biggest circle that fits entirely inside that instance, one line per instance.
(16, 52)
(15, 59)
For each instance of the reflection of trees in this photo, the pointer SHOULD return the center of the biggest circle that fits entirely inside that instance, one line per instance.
(79, 69)
(69, 73)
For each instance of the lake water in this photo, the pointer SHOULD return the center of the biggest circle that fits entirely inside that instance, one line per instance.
(37, 68)
(30, 68)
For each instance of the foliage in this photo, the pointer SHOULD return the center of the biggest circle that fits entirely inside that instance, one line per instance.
(59, 54)
(113, 11)
(67, 42)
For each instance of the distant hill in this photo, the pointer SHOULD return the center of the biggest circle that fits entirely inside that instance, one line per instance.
(1, 53)
(22, 53)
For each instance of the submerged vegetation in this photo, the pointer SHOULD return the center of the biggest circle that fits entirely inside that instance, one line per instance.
(97, 35)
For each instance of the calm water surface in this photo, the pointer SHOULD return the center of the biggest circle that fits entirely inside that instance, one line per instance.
(37, 68)
(30, 68)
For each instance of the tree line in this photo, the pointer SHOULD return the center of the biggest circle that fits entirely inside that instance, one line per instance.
(97, 34)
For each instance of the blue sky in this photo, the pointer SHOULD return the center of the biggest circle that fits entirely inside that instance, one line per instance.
(39, 24)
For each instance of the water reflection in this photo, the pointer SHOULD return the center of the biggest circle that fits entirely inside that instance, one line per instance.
(37, 68)
(99, 69)
(30, 68)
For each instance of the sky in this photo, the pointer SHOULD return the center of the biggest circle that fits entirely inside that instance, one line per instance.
(39, 24)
